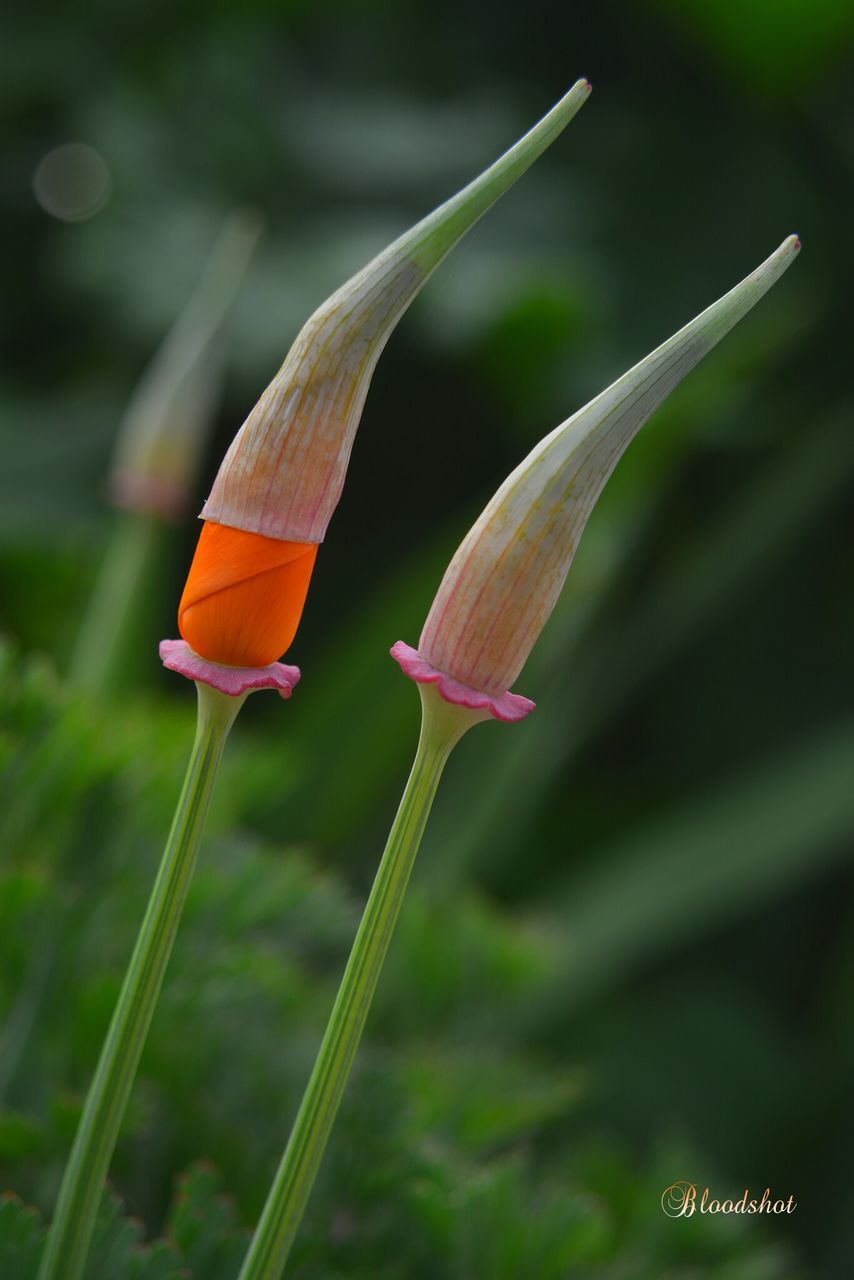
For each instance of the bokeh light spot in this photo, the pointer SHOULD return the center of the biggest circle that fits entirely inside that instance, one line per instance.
(72, 182)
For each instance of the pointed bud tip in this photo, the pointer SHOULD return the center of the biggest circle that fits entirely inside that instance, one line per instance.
(582, 88)
(791, 245)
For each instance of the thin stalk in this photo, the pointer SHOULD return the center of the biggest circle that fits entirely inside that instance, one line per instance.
(441, 728)
(108, 629)
(74, 1220)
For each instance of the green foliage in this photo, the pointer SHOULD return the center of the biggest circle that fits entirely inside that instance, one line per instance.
(203, 1237)
(488, 1220)
(449, 1151)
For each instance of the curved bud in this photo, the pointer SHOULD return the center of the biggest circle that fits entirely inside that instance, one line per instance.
(283, 475)
(162, 436)
(507, 574)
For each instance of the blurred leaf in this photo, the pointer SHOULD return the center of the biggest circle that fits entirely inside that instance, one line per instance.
(774, 43)
(20, 1239)
(782, 823)
(481, 1101)
(204, 1226)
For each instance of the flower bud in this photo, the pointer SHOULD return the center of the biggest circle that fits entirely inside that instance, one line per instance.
(506, 576)
(163, 433)
(284, 473)
(282, 477)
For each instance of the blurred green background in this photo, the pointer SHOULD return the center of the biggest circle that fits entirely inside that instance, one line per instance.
(627, 958)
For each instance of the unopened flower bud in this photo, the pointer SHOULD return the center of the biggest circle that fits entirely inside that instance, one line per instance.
(507, 574)
(282, 477)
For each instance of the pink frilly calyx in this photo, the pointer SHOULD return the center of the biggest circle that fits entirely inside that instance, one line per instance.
(233, 681)
(506, 706)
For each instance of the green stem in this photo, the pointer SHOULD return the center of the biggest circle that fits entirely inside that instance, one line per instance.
(74, 1220)
(109, 629)
(441, 727)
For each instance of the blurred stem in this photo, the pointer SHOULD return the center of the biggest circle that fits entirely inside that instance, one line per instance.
(442, 725)
(74, 1220)
(24, 1013)
(107, 627)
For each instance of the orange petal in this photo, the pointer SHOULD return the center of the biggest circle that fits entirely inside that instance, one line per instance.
(244, 595)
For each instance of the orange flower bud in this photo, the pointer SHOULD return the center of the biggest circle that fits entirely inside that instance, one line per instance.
(244, 595)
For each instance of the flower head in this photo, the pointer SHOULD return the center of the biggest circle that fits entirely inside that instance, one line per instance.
(282, 477)
(163, 432)
(507, 574)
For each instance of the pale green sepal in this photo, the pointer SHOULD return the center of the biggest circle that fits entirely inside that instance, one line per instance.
(507, 574)
(283, 475)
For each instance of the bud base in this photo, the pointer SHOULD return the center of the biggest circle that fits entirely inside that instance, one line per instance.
(506, 706)
(233, 681)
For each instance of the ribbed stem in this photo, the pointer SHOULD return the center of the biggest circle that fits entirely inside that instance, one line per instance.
(441, 727)
(74, 1220)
